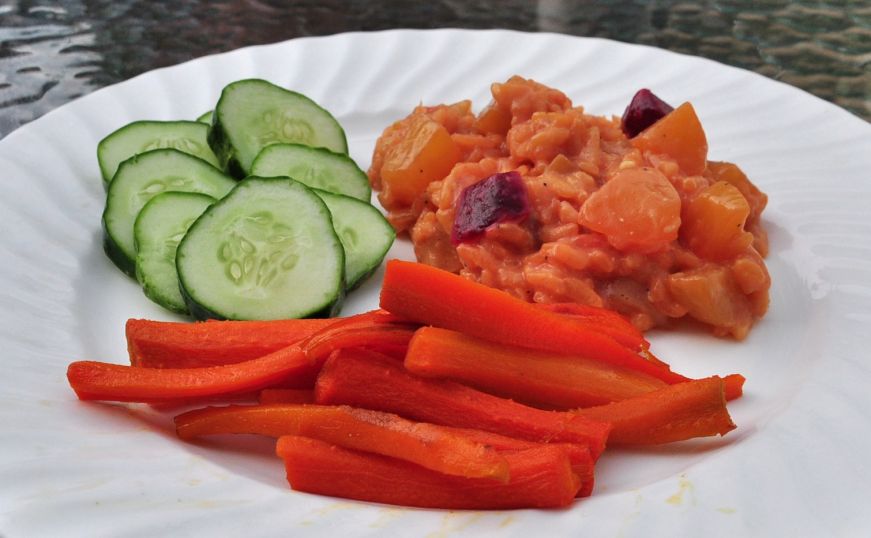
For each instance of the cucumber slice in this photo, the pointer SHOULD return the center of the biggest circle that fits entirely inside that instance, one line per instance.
(141, 136)
(252, 114)
(365, 234)
(157, 232)
(265, 251)
(316, 167)
(141, 178)
(205, 117)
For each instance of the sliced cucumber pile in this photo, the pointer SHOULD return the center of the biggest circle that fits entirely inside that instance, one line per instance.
(141, 136)
(254, 211)
(252, 114)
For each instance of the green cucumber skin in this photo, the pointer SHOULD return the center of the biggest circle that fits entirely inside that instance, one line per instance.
(116, 254)
(125, 262)
(152, 287)
(200, 311)
(223, 148)
(334, 202)
(220, 141)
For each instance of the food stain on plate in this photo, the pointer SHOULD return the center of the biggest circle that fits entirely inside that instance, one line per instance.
(684, 486)
(53, 492)
(455, 522)
(630, 518)
(327, 511)
(195, 462)
(386, 516)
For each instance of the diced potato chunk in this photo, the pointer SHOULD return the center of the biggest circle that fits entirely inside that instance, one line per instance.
(713, 222)
(426, 154)
(723, 171)
(638, 209)
(494, 119)
(711, 295)
(678, 135)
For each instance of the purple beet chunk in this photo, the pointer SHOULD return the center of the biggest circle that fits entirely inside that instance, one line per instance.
(499, 198)
(644, 110)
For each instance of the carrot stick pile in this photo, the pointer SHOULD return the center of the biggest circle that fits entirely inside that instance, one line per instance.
(452, 395)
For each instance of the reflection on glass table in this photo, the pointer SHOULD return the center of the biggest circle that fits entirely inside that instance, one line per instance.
(51, 53)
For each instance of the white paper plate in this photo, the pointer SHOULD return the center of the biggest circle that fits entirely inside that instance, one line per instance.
(796, 466)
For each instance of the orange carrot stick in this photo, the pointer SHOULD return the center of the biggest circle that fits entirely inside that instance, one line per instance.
(537, 377)
(164, 344)
(733, 383)
(294, 365)
(286, 396)
(541, 477)
(93, 380)
(352, 378)
(432, 296)
(607, 321)
(674, 413)
(733, 386)
(579, 456)
(168, 344)
(427, 445)
(382, 339)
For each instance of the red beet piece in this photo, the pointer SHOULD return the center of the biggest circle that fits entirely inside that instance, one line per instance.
(644, 110)
(498, 198)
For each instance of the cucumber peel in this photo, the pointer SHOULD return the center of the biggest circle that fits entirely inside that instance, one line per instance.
(365, 234)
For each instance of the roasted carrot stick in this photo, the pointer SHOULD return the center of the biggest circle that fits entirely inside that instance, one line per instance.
(607, 321)
(432, 296)
(541, 477)
(733, 386)
(733, 383)
(294, 365)
(674, 413)
(382, 339)
(579, 456)
(427, 445)
(286, 396)
(93, 380)
(537, 377)
(168, 344)
(354, 378)
(164, 344)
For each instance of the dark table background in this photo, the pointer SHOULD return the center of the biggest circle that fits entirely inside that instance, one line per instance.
(53, 52)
